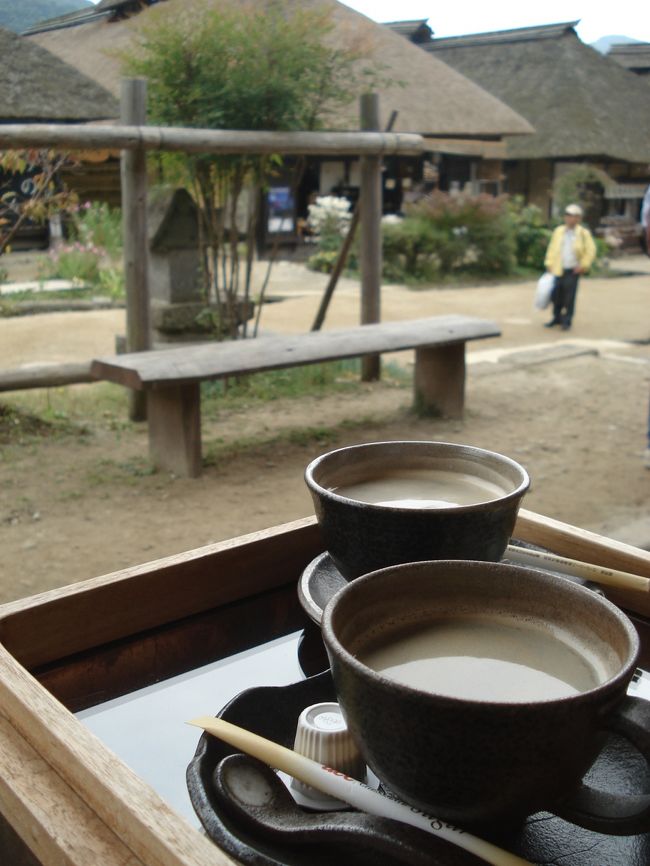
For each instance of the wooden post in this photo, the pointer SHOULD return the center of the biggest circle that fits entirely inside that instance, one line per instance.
(370, 254)
(175, 429)
(134, 228)
(343, 253)
(439, 380)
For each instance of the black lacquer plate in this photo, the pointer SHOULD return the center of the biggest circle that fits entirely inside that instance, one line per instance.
(241, 805)
(321, 580)
(241, 802)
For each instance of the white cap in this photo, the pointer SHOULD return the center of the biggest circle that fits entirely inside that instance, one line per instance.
(323, 736)
(573, 210)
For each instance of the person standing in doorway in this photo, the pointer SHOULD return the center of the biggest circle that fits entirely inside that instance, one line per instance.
(645, 221)
(571, 252)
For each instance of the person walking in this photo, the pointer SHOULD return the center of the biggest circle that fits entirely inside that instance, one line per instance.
(571, 252)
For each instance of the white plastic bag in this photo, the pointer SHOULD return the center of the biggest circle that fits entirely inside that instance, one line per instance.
(544, 290)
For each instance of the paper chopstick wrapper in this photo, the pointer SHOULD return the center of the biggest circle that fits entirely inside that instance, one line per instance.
(596, 573)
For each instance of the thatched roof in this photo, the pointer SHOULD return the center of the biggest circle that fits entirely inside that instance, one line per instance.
(582, 104)
(37, 86)
(632, 55)
(437, 100)
(416, 31)
(105, 10)
(16, 16)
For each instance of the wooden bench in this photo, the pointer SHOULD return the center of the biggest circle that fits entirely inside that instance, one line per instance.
(172, 377)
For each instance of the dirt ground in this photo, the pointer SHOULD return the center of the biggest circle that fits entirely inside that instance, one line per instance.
(572, 407)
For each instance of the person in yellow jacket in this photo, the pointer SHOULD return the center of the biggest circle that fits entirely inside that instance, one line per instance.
(571, 252)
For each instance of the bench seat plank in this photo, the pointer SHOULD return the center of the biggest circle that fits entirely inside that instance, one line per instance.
(171, 377)
(198, 362)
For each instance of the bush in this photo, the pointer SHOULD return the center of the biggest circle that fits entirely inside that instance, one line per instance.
(323, 261)
(112, 283)
(531, 234)
(76, 262)
(442, 235)
(100, 225)
(412, 250)
(93, 255)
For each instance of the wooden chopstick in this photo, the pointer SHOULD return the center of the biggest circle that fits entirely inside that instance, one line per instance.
(575, 543)
(588, 571)
(585, 546)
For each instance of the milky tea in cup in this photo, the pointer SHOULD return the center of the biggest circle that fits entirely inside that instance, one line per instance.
(485, 658)
(481, 692)
(423, 488)
(382, 503)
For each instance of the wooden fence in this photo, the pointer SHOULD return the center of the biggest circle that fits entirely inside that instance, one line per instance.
(135, 139)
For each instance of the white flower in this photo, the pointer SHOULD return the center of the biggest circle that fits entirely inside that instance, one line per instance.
(329, 213)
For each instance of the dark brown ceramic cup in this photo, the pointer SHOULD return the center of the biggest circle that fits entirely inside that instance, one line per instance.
(362, 536)
(483, 763)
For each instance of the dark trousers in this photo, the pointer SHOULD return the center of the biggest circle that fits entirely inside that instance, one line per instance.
(564, 297)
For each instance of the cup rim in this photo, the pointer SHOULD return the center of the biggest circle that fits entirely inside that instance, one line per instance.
(326, 493)
(572, 589)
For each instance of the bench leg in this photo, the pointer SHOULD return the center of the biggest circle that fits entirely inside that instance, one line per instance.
(440, 380)
(174, 416)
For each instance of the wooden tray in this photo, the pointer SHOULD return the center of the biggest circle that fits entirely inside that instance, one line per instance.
(64, 797)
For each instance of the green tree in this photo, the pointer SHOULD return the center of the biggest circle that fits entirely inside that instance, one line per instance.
(277, 67)
(583, 184)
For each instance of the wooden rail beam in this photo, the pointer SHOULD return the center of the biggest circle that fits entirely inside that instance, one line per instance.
(121, 137)
(44, 376)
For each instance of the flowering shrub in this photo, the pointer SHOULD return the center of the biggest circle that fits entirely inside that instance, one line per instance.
(93, 255)
(100, 225)
(442, 235)
(76, 262)
(329, 220)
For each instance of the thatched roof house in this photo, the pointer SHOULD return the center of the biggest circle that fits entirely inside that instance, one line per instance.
(431, 98)
(586, 108)
(582, 104)
(40, 87)
(634, 56)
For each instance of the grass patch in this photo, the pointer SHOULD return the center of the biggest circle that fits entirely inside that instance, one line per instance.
(80, 410)
(218, 451)
(290, 383)
(105, 405)
(18, 426)
(98, 405)
(277, 384)
(14, 304)
(36, 295)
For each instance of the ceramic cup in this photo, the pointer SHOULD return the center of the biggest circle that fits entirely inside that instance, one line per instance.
(363, 536)
(478, 761)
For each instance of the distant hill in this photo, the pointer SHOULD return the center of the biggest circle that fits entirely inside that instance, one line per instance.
(18, 16)
(605, 42)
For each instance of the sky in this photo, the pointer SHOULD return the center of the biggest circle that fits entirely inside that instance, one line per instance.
(598, 18)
